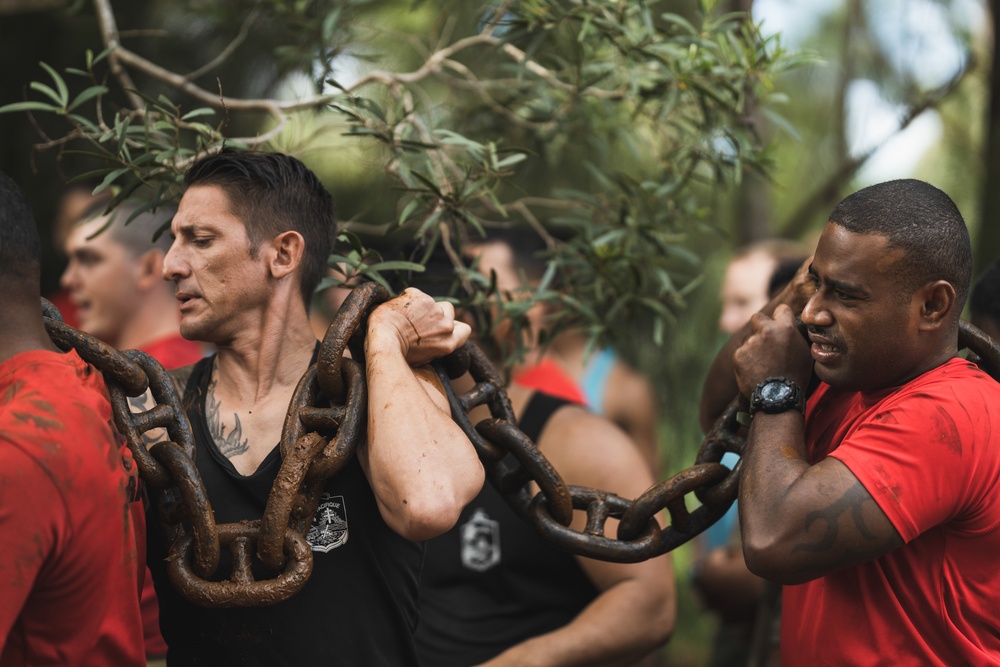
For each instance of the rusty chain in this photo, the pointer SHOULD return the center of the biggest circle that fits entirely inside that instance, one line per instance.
(326, 423)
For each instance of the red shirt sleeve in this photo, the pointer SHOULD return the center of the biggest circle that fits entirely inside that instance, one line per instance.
(921, 455)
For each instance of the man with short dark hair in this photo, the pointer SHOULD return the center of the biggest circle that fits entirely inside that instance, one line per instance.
(68, 557)
(252, 233)
(875, 502)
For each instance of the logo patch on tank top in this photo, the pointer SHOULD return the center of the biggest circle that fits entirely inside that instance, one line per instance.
(480, 542)
(329, 526)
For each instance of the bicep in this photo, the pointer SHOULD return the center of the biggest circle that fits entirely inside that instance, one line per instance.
(833, 522)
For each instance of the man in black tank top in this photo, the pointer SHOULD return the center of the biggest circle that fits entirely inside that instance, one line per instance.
(494, 593)
(252, 234)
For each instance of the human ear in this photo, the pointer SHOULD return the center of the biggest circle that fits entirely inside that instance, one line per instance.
(287, 253)
(149, 267)
(938, 301)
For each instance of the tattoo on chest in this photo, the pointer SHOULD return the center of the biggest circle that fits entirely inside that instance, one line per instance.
(232, 443)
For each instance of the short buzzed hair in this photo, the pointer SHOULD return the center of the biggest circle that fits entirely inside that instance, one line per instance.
(20, 246)
(923, 222)
(136, 234)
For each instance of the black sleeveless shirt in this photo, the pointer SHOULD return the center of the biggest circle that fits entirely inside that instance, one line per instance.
(359, 607)
(491, 582)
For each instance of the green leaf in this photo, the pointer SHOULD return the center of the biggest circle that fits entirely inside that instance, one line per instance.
(109, 179)
(100, 56)
(85, 123)
(195, 113)
(396, 265)
(407, 211)
(29, 106)
(88, 94)
(511, 160)
(48, 92)
(63, 98)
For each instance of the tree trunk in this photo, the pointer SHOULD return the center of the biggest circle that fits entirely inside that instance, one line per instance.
(986, 245)
(752, 212)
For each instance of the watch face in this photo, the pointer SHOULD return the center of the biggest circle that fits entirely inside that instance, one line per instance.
(775, 392)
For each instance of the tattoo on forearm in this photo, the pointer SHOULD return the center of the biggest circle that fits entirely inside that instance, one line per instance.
(850, 504)
(230, 444)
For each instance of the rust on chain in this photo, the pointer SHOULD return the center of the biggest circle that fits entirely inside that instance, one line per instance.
(114, 365)
(593, 541)
(196, 507)
(326, 422)
(241, 589)
(282, 500)
(488, 391)
(346, 323)
(532, 466)
(167, 413)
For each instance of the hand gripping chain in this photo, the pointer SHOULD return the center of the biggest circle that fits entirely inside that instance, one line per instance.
(326, 422)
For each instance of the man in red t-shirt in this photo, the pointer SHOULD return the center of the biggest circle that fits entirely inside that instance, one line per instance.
(68, 557)
(877, 502)
(114, 280)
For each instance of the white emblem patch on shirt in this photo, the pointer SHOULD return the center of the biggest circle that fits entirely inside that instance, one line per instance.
(329, 526)
(480, 538)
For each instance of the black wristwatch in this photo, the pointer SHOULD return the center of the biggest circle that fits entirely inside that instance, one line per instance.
(776, 395)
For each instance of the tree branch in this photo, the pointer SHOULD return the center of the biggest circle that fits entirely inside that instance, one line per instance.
(826, 194)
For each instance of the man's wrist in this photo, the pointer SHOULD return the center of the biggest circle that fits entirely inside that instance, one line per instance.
(775, 395)
(382, 337)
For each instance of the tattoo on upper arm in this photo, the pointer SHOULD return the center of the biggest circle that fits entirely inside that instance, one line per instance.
(143, 403)
(230, 444)
(850, 507)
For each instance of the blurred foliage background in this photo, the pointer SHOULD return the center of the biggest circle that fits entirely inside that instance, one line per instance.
(643, 141)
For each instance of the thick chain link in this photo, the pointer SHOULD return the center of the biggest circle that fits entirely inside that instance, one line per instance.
(326, 423)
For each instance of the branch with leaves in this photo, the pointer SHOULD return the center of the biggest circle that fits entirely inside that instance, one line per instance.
(598, 124)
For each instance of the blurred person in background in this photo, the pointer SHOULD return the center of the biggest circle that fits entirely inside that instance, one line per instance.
(567, 366)
(746, 284)
(74, 202)
(611, 388)
(494, 592)
(737, 597)
(114, 280)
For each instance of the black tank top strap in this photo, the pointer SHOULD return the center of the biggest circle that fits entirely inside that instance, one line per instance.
(197, 382)
(538, 411)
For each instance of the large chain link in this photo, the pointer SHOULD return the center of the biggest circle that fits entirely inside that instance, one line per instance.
(326, 423)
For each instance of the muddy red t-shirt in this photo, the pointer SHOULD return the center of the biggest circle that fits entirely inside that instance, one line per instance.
(929, 454)
(68, 560)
